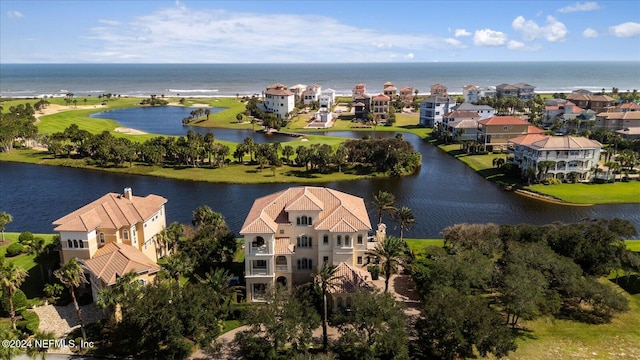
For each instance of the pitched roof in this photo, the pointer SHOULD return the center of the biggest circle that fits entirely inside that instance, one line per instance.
(503, 120)
(381, 97)
(473, 107)
(629, 105)
(116, 259)
(534, 130)
(619, 115)
(461, 114)
(112, 211)
(537, 141)
(283, 246)
(337, 210)
(464, 124)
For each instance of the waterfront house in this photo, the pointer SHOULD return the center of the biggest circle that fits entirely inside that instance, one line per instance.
(439, 90)
(569, 154)
(114, 235)
(390, 90)
(297, 91)
(522, 91)
(279, 101)
(471, 93)
(506, 90)
(494, 132)
(484, 111)
(462, 124)
(432, 109)
(380, 105)
(406, 94)
(567, 113)
(619, 120)
(288, 235)
(327, 98)
(311, 94)
(586, 100)
(361, 107)
(359, 90)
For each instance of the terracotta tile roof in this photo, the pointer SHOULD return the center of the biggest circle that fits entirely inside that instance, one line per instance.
(506, 87)
(276, 86)
(381, 97)
(470, 87)
(534, 130)
(627, 115)
(537, 141)
(284, 246)
(630, 106)
(278, 92)
(350, 279)
(334, 207)
(438, 86)
(116, 259)
(464, 124)
(112, 211)
(503, 120)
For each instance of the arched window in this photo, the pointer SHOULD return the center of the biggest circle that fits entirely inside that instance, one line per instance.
(101, 236)
(75, 243)
(339, 302)
(81, 244)
(359, 239)
(347, 240)
(298, 220)
(339, 240)
(125, 234)
(69, 243)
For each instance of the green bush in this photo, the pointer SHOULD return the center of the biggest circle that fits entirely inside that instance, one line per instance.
(29, 323)
(19, 301)
(552, 181)
(375, 271)
(25, 238)
(14, 250)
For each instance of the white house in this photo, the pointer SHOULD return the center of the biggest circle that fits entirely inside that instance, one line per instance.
(289, 234)
(569, 154)
(484, 111)
(327, 98)
(279, 101)
(311, 94)
(433, 108)
(472, 93)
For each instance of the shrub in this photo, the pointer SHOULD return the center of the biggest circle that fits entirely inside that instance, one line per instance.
(29, 323)
(19, 301)
(14, 250)
(375, 271)
(552, 181)
(25, 238)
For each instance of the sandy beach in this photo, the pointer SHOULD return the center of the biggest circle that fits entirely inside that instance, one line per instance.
(130, 131)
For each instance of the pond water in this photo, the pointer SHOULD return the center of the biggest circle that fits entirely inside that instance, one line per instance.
(442, 193)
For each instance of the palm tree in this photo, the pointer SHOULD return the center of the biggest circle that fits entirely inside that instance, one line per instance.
(405, 219)
(11, 277)
(327, 278)
(390, 253)
(127, 288)
(384, 202)
(41, 337)
(72, 276)
(544, 167)
(219, 281)
(5, 218)
(174, 267)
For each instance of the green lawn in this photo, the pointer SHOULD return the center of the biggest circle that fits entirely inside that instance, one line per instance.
(34, 283)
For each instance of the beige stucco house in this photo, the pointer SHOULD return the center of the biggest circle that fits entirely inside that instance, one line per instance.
(288, 235)
(114, 235)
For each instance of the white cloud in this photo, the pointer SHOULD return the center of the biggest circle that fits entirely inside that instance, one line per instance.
(553, 31)
(409, 56)
(488, 37)
(109, 22)
(180, 34)
(15, 14)
(181, 6)
(586, 6)
(628, 29)
(589, 33)
(462, 32)
(455, 43)
(520, 46)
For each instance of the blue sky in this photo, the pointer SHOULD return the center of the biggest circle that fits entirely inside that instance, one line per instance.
(185, 31)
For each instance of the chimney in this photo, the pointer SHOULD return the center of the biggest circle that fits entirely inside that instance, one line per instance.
(128, 193)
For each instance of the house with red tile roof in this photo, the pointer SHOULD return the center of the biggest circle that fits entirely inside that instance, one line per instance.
(114, 235)
(406, 94)
(380, 107)
(279, 100)
(588, 100)
(390, 90)
(617, 120)
(438, 90)
(569, 154)
(567, 113)
(289, 234)
(494, 132)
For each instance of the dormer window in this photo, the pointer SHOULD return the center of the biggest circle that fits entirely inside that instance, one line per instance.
(101, 236)
(125, 234)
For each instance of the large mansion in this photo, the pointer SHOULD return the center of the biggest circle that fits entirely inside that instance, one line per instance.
(569, 154)
(114, 235)
(288, 235)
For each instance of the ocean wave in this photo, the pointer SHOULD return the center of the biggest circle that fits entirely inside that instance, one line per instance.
(193, 90)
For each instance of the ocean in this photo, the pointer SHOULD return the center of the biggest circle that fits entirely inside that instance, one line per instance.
(229, 80)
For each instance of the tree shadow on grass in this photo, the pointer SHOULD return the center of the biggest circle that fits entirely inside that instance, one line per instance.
(33, 284)
(301, 174)
(630, 283)
(522, 333)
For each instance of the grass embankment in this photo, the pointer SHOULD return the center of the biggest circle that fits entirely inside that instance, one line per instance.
(34, 283)
(550, 338)
(616, 193)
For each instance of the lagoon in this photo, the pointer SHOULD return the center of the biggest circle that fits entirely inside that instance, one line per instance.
(444, 192)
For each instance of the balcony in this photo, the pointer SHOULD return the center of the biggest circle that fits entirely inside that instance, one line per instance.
(259, 250)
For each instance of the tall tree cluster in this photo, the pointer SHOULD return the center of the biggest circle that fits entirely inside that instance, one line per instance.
(16, 124)
(502, 274)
